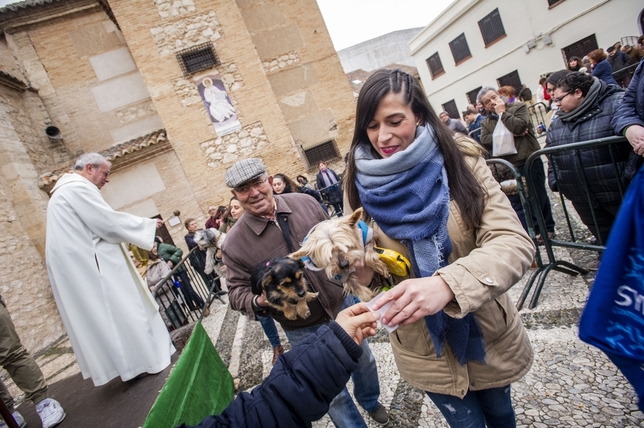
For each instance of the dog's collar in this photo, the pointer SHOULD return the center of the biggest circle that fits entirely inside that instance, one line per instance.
(367, 232)
(367, 237)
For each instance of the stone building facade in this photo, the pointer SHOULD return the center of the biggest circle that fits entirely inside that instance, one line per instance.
(108, 77)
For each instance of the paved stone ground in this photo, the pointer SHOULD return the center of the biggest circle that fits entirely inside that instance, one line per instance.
(570, 384)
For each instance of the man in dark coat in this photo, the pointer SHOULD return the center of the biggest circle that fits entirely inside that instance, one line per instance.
(454, 125)
(172, 256)
(516, 118)
(619, 61)
(474, 121)
(628, 119)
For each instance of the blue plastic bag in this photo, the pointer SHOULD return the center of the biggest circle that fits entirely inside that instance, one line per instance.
(613, 319)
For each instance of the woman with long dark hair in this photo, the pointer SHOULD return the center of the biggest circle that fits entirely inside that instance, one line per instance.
(434, 199)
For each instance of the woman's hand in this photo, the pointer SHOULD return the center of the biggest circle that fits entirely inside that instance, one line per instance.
(358, 321)
(414, 299)
(635, 135)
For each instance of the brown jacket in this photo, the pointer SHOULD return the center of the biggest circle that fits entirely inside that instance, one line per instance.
(254, 240)
(484, 264)
(517, 119)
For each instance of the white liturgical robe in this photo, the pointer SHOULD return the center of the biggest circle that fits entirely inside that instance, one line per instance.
(111, 319)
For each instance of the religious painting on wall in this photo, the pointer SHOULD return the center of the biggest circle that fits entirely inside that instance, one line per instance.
(215, 99)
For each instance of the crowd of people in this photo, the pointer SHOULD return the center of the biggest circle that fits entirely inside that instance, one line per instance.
(426, 190)
(581, 100)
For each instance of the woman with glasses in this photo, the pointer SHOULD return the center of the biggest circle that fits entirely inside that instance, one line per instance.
(586, 106)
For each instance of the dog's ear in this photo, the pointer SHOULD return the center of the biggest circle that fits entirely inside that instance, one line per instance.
(267, 279)
(257, 278)
(355, 217)
(300, 263)
(210, 235)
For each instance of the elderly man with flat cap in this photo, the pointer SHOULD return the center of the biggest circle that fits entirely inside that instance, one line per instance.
(272, 226)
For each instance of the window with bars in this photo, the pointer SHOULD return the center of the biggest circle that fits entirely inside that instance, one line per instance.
(325, 151)
(197, 58)
(580, 48)
(511, 79)
(450, 108)
(491, 27)
(460, 49)
(435, 65)
(553, 3)
(471, 95)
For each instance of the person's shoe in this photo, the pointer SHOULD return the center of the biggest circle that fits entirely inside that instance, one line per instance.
(551, 235)
(277, 351)
(593, 266)
(17, 417)
(206, 312)
(380, 415)
(50, 412)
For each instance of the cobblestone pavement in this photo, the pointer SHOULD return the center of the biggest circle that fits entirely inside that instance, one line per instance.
(569, 385)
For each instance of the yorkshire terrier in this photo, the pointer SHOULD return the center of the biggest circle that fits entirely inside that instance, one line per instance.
(210, 239)
(282, 279)
(336, 245)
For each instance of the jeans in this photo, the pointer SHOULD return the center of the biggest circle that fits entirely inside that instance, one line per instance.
(343, 411)
(270, 330)
(193, 300)
(605, 214)
(489, 406)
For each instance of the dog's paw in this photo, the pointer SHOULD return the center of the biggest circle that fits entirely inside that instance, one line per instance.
(291, 314)
(303, 311)
(311, 296)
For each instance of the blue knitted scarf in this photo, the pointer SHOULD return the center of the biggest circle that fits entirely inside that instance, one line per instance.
(407, 194)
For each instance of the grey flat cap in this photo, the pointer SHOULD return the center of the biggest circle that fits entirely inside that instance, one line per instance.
(243, 171)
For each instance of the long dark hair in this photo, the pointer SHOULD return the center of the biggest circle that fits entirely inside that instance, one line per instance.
(289, 185)
(465, 188)
(574, 81)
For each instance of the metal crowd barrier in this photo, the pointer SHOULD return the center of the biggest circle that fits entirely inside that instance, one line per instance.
(324, 194)
(538, 113)
(562, 240)
(177, 300)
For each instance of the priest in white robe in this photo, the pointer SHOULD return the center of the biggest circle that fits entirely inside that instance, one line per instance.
(111, 319)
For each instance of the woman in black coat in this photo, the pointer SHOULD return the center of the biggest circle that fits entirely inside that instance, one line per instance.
(329, 186)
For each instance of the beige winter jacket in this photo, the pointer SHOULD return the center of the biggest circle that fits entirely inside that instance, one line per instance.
(483, 265)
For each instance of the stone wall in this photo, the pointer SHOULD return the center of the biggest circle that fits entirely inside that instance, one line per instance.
(232, 147)
(25, 285)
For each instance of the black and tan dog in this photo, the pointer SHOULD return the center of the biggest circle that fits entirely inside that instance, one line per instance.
(282, 279)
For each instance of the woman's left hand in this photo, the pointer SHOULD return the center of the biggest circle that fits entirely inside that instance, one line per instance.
(414, 299)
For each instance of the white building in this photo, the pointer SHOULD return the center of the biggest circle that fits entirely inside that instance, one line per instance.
(476, 43)
(391, 48)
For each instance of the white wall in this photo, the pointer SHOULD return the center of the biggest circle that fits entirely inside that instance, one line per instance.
(523, 20)
(379, 52)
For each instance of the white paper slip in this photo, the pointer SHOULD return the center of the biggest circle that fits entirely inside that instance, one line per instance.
(382, 311)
